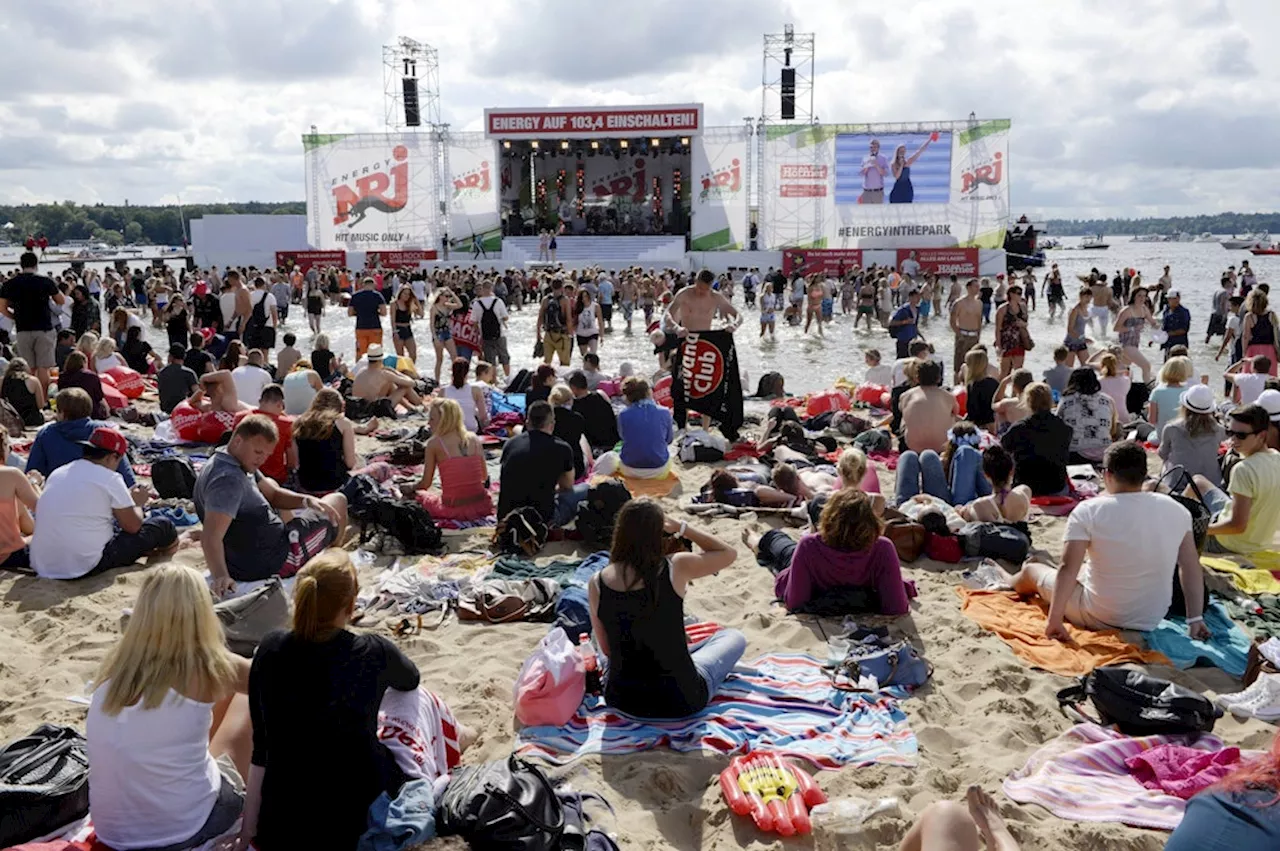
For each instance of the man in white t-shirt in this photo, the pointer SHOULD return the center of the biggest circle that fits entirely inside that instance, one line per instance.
(251, 378)
(1249, 385)
(264, 336)
(77, 511)
(1133, 541)
(490, 313)
(911, 266)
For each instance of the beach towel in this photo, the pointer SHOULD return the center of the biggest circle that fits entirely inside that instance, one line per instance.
(1020, 624)
(783, 703)
(514, 567)
(1261, 625)
(1250, 580)
(1181, 771)
(1082, 776)
(1227, 649)
(705, 379)
(656, 488)
(420, 731)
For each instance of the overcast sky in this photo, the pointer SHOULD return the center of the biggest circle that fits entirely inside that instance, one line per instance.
(1119, 107)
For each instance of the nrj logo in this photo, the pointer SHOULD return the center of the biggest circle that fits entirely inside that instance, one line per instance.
(987, 174)
(722, 184)
(628, 181)
(380, 186)
(475, 182)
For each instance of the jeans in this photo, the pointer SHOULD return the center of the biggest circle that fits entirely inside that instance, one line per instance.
(776, 549)
(923, 472)
(716, 657)
(1217, 501)
(124, 549)
(567, 504)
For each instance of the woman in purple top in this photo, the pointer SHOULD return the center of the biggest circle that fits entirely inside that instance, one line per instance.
(846, 551)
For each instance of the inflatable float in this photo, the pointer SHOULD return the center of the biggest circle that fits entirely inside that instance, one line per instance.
(775, 794)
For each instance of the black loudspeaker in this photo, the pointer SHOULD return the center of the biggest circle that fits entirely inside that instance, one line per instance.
(412, 116)
(788, 93)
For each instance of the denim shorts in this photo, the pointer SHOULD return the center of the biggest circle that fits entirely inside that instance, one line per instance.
(1217, 501)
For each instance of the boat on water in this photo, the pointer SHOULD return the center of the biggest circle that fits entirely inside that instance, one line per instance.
(1252, 240)
(1262, 250)
(1024, 244)
(1094, 243)
(1182, 236)
(1049, 244)
(1149, 237)
(1206, 237)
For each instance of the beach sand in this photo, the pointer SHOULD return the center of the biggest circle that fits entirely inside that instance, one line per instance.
(982, 715)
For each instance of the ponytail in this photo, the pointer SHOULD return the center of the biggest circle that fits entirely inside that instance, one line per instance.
(326, 587)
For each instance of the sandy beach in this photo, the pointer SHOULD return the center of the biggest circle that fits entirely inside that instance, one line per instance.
(980, 717)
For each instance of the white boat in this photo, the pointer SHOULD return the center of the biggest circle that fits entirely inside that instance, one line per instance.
(1206, 237)
(1094, 243)
(1182, 236)
(1148, 237)
(1253, 240)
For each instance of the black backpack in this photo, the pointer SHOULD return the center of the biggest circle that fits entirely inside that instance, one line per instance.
(1140, 705)
(520, 382)
(408, 521)
(44, 783)
(490, 324)
(597, 512)
(256, 323)
(521, 532)
(505, 804)
(553, 319)
(173, 477)
(1008, 541)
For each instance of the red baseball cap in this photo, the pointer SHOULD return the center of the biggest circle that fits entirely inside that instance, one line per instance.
(108, 439)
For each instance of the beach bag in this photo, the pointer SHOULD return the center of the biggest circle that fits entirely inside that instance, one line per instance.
(44, 783)
(520, 382)
(597, 512)
(505, 805)
(173, 477)
(897, 664)
(908, 537)
(1139, 704)
(827, 401)
(995, 540)
(411, 524)
(247, 619)
(506, 600)
(874, 440)
(551, 683)
(1200, 519)
(521, 532)
(944, 548)
(10, 419)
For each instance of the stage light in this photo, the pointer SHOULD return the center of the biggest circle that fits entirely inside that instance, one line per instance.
(653, 143)
(684, 140)
(534, 144)
(624, 144)
(564, 145)
(595, 145)
(506, 143)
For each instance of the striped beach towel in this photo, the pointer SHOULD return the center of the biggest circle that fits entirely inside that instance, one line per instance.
(784, 703)
(1081, 776)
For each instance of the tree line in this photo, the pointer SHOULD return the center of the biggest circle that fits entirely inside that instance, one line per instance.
(1218, 223)
(115, 224)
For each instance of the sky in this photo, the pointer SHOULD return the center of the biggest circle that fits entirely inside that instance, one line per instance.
(1131, 108)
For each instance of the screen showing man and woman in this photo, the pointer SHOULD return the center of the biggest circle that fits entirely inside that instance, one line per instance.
(893, 168)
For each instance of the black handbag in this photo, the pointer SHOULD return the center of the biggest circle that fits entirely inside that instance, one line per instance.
(1138, 704)
(505, 804)
(44, 783)
(1200, 519)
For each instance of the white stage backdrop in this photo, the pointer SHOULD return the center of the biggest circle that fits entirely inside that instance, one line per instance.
(718, 190)
(475, 187)
(886, 186)
(372, 192)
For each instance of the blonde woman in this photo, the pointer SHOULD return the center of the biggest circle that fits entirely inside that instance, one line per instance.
(326, 444)
(168, 725)
(314, 694)
(87, 345)
(1162, 406)
(105, 357)
(457, 454)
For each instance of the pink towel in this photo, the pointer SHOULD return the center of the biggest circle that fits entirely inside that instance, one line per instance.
(1181, 771)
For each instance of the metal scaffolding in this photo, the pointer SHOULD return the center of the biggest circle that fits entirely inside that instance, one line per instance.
(410, 59)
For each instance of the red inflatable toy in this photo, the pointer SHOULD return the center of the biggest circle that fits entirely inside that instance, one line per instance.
(191, 424)
(113, 397)
(127, 381)
(869, 394)
(962, 397)
(775, 794)
(662, 392)
(828, 400)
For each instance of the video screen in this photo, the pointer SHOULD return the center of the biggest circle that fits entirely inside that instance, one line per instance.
(893, 168)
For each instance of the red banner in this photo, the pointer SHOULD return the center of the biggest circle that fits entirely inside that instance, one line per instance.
(802, 190)
(825, 261)
(304, 260)
(397, 259)
(593, 122)
(942, 261)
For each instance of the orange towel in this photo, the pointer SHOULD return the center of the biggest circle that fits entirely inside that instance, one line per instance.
(656, 488)
(1021, 625)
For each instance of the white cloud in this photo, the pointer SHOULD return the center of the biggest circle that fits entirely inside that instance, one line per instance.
(1119, 107)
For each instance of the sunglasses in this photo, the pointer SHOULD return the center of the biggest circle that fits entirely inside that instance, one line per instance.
(1241, 435)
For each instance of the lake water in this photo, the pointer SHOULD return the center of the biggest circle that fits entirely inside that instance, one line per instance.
(812, 363)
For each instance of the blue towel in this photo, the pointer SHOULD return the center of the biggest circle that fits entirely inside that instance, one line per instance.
(1228, 649)
(408, 820)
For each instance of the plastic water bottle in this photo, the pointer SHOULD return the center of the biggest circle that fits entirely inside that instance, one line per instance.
(846, 817)
(590, 664)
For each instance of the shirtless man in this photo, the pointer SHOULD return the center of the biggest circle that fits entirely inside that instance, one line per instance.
(695, 308)
(1102, 301)
(236, 306)
(217, 392)
(376, 382)
(928, 411)
(966, 323)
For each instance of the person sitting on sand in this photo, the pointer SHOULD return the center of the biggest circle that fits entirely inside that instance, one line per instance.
(570, 428)
(1245, 521)
(544, 378)
(254, 528)
(469, 395)
(168, 725)
(75, 375)
(980, 388)
(376, 382)
(948, 826)
(1191, 439)
(217, 393)
(284, 458)
(847, 550)
(646, 430)
(1008, 503)
(175, 382)
(80, 507)
(1040, 444)
(314, 693)
(251, 378)
(1241, 812)
(928, 411)
(1091, 416)
(955, 476)
(1164, 402)
(1119, 556)
(22, 390)
(105, 357)
(59, 443)
(458, 455)
(300, 388)
(326, 364)
(19, 493)
(637, 617)
(599, 422)
(1013, 409)
(537, 471)
(325, 445)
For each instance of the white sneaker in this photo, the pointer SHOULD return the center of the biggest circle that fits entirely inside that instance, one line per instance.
(1265, 703)
(1228, 700)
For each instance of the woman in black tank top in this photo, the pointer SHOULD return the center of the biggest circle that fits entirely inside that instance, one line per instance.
(637, 616)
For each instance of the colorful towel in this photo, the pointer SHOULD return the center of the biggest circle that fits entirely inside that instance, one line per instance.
(656, 488)
(1250, 580)
(1228, 649)
(780, 702)
(1020, 624)
(1181, 771)
(1081, 776)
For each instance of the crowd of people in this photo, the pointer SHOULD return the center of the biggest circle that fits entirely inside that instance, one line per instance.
(190, 738)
